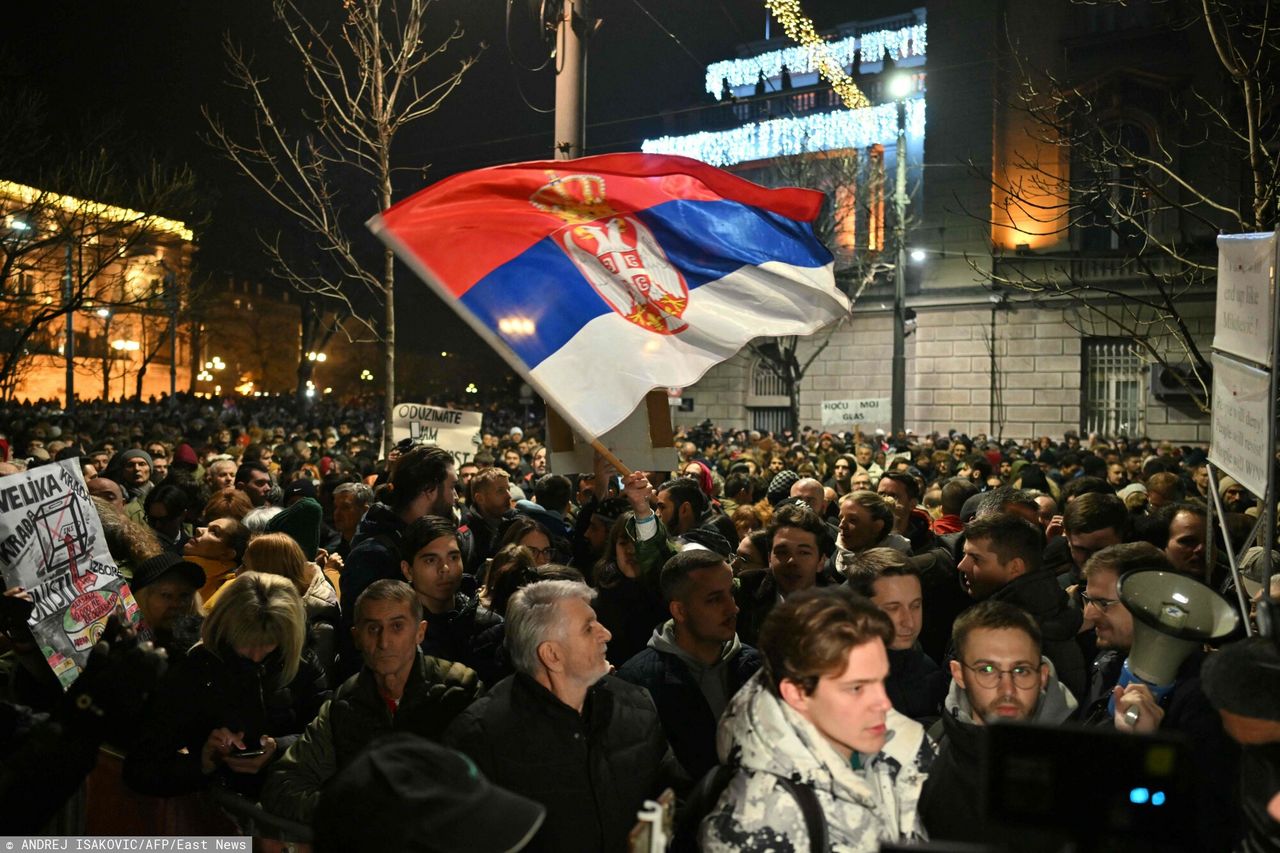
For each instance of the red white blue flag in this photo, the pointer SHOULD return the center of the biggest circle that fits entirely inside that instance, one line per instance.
(603, 278)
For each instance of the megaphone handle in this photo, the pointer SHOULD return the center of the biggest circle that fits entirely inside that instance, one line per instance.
(1127, 677)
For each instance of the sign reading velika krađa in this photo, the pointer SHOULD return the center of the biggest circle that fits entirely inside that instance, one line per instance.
(52, 545)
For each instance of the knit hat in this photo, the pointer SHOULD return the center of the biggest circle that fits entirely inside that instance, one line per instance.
(1244, 678)
(137, 453)
(780, 486)
(302, 523)
(407, 793)
(1226, 483)
(151, 570)
(184, 455)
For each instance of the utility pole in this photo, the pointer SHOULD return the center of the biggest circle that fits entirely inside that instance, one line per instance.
(899, 399)
(572, 30)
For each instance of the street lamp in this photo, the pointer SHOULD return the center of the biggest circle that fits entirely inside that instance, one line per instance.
(900, 85)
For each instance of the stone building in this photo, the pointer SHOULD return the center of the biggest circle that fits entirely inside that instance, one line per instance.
(991, 200)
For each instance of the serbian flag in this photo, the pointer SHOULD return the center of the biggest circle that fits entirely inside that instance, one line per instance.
(602, 278)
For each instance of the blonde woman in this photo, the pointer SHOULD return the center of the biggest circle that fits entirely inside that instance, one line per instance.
(242, 695)
(279, 554)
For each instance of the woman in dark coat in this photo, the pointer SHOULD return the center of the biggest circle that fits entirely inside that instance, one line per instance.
(249, 686)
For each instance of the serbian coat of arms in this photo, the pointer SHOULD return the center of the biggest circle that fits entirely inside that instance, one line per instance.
(616, 252)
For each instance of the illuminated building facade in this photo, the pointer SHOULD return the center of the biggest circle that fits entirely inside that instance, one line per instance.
(992, 197)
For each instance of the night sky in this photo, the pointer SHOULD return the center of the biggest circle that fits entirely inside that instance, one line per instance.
(147, 67)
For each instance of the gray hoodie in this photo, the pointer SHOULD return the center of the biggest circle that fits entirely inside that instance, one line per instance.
(1055, 705)
(712, 679)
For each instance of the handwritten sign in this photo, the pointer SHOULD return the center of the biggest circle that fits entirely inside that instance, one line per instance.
(51, 543)
(1240, 422)
(1245, 316)
(854, 412)
(452, 429)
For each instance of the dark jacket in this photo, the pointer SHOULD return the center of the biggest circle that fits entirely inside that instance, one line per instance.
(204, 693)
(1216, 757)
(374, 555)
(592, 770)
(476, 539)
(756, 593)
(630, 608)
(916, 685)
(434, 695)
(687, 719)
(950, 805)
(1039, 594)
(467, 634)
(920, 531)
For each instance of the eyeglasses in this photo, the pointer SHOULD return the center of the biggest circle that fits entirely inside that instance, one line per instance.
(541, 553)
(989, 675)
(1100, 603)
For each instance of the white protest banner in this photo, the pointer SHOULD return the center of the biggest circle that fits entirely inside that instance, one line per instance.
(452, 429)
(1246, 296)
(855, 412)
(1239, 432)
(51, 543)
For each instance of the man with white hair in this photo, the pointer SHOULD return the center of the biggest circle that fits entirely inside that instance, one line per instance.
(563, 731)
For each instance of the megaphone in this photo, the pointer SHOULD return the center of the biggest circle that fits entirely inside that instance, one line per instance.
(1173, 615)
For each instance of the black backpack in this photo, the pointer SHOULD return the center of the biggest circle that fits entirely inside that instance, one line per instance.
(704, 796)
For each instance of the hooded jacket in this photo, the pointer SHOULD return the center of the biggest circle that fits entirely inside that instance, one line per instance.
(690, 695)
(374, 555)
(766, 740)
(949, 803)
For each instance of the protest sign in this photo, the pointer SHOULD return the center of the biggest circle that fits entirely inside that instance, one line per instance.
(452, 429)
(837, 413)
(51, 543)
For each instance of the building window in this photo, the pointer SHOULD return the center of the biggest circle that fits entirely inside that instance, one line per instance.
(766, 383)
(1113, 402)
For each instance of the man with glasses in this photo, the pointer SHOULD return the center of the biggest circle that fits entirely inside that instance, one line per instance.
(1184, 709)
(998, 675)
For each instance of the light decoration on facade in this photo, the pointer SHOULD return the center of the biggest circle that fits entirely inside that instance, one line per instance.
(811, 53)
(788, 137)
(33, 196)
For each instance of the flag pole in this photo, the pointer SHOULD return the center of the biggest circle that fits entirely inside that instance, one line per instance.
(610, 457)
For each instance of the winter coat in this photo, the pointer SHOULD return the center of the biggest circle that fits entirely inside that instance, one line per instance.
(1039, 594)
(674, 681)
(916, 685)
(433, 696)
(756, 593)
(949, 803)
(206, 692)
(592, 771)
(630, 608)
(470, 635)
(374, 555)
(767, 740)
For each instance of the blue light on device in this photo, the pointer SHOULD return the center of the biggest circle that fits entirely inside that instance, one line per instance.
(1157, 799)
(1139, 796)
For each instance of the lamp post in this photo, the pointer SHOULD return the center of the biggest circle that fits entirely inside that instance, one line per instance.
(900, 87)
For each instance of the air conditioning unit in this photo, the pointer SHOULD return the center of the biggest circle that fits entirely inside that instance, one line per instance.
(1169, 382)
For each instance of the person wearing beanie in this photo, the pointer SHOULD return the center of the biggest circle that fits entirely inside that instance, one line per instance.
(1242, 682)
(780, 486)
(132, 469)
(301, 521)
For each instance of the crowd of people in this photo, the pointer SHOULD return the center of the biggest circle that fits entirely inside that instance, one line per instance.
(806, 636)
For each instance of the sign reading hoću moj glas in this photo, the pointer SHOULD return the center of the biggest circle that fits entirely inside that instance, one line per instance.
(855, 412)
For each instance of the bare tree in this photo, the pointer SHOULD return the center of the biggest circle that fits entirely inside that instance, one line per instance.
(1148, 194)
(851, 224)
(367, 79)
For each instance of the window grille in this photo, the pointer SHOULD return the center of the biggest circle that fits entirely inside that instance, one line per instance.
(1113, 400)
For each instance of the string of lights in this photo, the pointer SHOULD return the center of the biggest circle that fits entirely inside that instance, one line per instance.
(786, 137)
(799, 29)
(901, 43)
